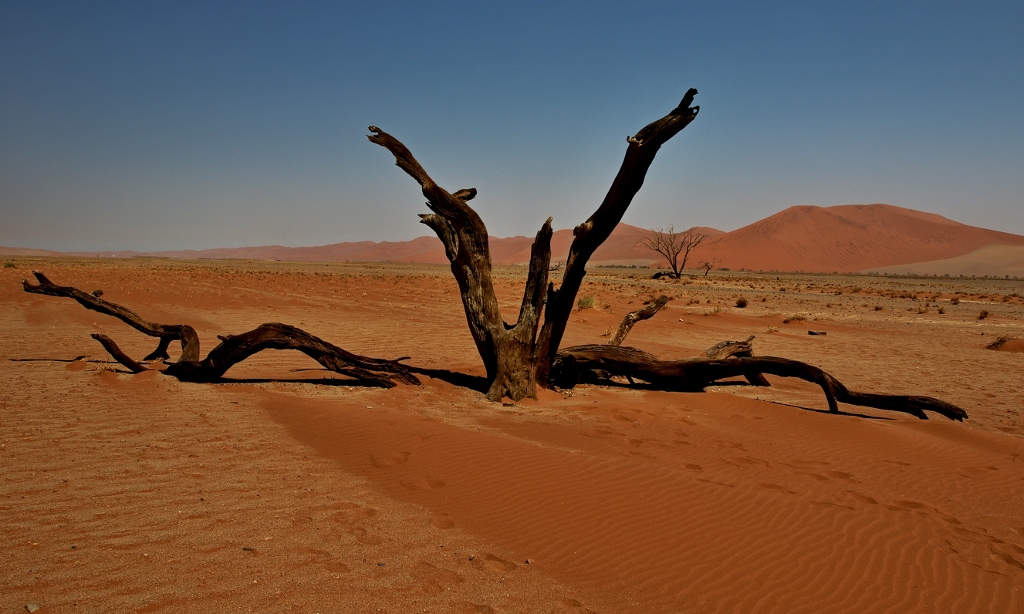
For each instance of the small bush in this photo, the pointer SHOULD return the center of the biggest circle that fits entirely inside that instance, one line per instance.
(942, 310)
(796, 318)
(955, 301)
(879, 308)
(998, 343)
(741, 302)
(10, 265)
(585, 302)
(984, 314)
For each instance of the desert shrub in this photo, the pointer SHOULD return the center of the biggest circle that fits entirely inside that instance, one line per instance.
(879, 308)
(984, 314)
(795, 318)
(942, 310)
(998, 343)
(10, 265)
(585, 302)
(741, 302)
(693, 301)
(955, 301)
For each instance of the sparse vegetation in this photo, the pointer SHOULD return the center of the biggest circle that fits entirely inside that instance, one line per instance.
(984, 314)
(954, 301)
(741, 302)
(10, 265)
(585, 302)
(795, 318)
(998, 343)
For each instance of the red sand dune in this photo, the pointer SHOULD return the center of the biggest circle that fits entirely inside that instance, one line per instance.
(848, 238)
(844, 238)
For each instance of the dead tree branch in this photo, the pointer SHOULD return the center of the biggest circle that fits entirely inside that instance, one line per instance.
(635, 316)
(118, 354)
(588, 363)
(233, 349)
(588, 236)
(166, 332)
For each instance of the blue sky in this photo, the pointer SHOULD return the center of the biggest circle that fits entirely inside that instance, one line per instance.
(216, 124)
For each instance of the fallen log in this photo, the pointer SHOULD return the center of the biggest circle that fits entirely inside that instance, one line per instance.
(592, 363)
(232, 350)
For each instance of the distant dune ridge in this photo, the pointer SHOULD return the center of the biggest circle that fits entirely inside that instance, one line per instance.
(843, 238)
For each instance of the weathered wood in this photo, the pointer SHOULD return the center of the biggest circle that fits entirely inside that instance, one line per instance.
(507, 350)
(166, 332)
(233, 349)
(739, 349)
(588, 236)
(584, 363)
(517, 357)
(119, 355)
(635, 316)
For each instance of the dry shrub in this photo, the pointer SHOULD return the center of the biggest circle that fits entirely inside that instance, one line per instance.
(795, 318)
(741, 302)
(984, 314)
(998, 343)
(585, 302)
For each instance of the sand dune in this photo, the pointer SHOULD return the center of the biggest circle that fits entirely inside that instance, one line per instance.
(845, 238)
(993, 260)
(848, 238)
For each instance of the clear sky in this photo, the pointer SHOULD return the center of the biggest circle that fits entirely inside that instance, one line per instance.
(169, 125)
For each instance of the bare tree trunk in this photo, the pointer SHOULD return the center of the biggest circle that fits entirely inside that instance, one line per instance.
(506, 350)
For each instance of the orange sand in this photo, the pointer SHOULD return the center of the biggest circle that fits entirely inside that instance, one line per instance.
(141, 493)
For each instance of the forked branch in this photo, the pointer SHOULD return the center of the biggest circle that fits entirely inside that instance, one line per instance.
(166, 332)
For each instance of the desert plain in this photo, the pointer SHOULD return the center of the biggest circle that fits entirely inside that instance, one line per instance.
(287, 489)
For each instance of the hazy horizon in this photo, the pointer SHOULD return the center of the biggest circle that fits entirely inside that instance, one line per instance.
(129, 127)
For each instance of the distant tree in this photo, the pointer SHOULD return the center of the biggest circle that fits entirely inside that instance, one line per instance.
(707, 265)
(673, 245)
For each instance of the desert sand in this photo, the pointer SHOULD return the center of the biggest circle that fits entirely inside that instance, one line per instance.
(286, 489)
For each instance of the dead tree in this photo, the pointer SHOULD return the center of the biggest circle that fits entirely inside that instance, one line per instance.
(232, 350)
(707, 265)
(672, 246)
(518, 356)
